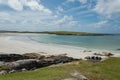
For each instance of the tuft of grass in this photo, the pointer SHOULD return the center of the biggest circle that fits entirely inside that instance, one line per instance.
(106, 70)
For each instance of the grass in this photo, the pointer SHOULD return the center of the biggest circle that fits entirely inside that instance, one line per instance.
(106, 70)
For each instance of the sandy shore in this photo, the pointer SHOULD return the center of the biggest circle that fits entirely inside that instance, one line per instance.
(8, 45)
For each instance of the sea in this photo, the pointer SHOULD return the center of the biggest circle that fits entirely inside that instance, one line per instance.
(111, 43)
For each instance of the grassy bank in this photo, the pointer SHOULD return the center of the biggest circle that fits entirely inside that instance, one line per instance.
(106, 70)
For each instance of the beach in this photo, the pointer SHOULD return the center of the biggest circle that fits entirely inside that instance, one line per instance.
(8, 45)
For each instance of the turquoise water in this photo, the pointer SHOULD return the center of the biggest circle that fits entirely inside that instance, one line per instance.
(92, 42)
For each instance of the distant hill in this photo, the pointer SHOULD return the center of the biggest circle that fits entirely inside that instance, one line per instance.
(60, 33)
(75, 33)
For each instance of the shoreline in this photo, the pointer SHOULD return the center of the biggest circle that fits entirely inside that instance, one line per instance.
(8, 45)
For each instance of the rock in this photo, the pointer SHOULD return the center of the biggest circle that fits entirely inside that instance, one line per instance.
(15, 57)
(2, 63)
(87, 51)
(107, 54)
(118, 49)
(3, 72)
(34, 56)
(98, 54)
(78, 75)
(30, 64)
(24, 69)
(12, 71)
(87, 57)
(93, 58)
(104, 54)
(11, 57)
(27, 64)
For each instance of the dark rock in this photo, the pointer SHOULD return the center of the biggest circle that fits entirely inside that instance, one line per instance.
(118, 49)
(13, 63)
(87, 57)
(11, 57)
(93, 58)
(15, 57)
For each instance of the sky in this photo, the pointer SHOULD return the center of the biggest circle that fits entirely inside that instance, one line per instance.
(101, 16)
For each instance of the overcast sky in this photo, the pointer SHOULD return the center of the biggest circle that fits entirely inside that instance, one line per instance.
(102, 16)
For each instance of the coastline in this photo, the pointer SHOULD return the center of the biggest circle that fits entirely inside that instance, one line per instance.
(8, 45)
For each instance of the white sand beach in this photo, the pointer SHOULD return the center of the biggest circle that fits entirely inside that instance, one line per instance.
(8, 45)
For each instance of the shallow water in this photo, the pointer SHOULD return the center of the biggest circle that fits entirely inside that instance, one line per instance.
(92, 42)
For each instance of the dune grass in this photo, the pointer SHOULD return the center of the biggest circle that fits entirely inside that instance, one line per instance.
(106, 70)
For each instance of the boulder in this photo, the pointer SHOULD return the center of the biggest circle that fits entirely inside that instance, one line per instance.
(87, 57)
(26, 64)
(118, 49)
(98, 54)
(87, 51)
(78, 75)
(34, 56)
(3, 72)
(107, 54)
(93, 58)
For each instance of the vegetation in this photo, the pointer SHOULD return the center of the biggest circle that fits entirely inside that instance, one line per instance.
(59, 33)
(75, 33)
(106, 70)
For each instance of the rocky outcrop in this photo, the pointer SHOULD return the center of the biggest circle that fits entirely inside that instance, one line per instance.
(30, 62)
(93, 58)
(108, 54)
(15, 57)
(11, 57)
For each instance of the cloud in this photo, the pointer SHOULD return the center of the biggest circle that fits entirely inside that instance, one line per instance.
(100, 24)
(32, 14)
(59, 10)
(76, 8)
(35, 20)
(107, 7)
(15, 4)
(66, 21)
(83, 1)
(19, 5)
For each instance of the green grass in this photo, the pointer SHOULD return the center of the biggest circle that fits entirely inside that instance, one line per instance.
(106, 70)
